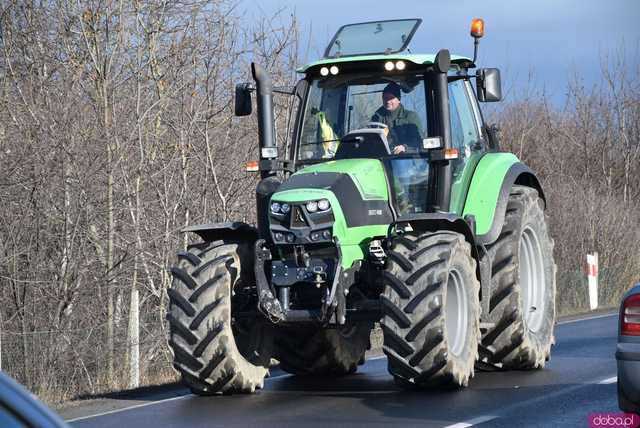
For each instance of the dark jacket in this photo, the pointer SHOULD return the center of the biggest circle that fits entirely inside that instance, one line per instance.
(404, 126)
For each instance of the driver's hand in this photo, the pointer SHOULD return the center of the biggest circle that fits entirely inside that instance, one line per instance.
(399, 149)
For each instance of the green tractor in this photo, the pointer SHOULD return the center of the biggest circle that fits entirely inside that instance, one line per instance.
(392, 204)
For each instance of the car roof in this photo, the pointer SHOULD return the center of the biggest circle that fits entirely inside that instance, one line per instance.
(634, 290)
(24, 405)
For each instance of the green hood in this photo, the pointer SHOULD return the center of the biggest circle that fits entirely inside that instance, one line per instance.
(358, 194)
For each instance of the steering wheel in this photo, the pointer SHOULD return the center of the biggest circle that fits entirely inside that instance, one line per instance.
(377, 125)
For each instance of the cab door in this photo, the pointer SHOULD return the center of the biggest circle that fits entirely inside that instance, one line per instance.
(466, 137)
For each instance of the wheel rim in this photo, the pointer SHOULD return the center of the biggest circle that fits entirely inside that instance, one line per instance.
(456, 313)
(532, 281)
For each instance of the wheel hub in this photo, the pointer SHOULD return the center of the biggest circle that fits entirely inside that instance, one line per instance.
(532, 279)
(456, 313)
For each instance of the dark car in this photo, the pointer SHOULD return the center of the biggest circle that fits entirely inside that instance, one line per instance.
(19, 408)
(628, 352)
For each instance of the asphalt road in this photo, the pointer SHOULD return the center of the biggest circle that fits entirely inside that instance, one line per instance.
(579, 380)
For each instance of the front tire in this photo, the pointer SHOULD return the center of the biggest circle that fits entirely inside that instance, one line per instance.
(523, 284)
(431, 310)
(211, 354)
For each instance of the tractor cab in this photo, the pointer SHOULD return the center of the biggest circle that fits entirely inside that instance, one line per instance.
(426, 140)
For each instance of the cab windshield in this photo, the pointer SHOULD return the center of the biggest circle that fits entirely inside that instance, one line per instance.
(337, 105)
(377, 37)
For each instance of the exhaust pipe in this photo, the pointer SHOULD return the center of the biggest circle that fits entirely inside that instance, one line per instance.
(441, 89)
(266, 140)
(266, 132)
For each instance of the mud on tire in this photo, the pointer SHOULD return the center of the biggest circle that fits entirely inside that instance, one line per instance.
(211, 354)
(522, 305)
(317, 351)
(431, 310)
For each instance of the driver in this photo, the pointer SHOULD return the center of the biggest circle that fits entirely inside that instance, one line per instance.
(405, 130)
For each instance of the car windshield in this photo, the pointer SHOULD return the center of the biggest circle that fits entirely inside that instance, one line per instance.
(338, 105)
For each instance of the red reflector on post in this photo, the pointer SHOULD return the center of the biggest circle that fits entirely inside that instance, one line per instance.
(630, 319)
(252, 166)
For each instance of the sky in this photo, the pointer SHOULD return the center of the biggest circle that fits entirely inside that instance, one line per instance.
(538, 45)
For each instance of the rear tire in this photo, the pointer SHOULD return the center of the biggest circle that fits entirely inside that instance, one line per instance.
(431, 310)
(210, 353)
(317, 351)
(522, 305)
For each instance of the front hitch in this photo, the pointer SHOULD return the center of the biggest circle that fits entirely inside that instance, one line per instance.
(268, 305)
(333, 308)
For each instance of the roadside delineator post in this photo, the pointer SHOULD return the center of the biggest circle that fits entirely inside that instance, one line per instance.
(592, 279)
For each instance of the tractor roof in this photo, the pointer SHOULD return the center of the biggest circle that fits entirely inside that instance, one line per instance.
(418, 59)
(376, 41)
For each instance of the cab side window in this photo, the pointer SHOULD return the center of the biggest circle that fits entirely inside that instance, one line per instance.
(464, 131)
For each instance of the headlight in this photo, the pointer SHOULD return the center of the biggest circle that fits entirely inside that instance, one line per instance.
(285, 208)
(312, 206)
(275, 208)
(323, 204)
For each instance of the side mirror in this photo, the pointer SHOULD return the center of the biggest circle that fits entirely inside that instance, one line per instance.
(488, 85)
(243, 99)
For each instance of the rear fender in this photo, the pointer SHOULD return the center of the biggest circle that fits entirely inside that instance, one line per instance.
(489, 190)
(236, 230)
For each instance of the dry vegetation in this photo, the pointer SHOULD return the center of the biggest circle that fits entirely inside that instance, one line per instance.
(588, 156)
(116, 130)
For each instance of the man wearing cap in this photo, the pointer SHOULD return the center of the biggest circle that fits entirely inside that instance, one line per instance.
(405, 130)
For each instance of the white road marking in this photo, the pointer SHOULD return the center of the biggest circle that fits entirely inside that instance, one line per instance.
(472, 422)
(137, 406)
(588, 318)
(608, 381)
(277, 377)
(379, 357)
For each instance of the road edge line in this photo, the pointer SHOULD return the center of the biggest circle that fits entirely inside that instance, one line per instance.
(595, 317)
(608, 381)
(137, 406)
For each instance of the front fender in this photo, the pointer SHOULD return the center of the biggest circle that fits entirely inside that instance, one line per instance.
(432, 222)
(236, 230)
(488, 193)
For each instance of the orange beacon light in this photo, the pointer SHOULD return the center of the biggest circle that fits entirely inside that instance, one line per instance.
(477, 28)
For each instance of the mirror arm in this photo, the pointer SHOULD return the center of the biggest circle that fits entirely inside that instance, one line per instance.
(286, 90)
